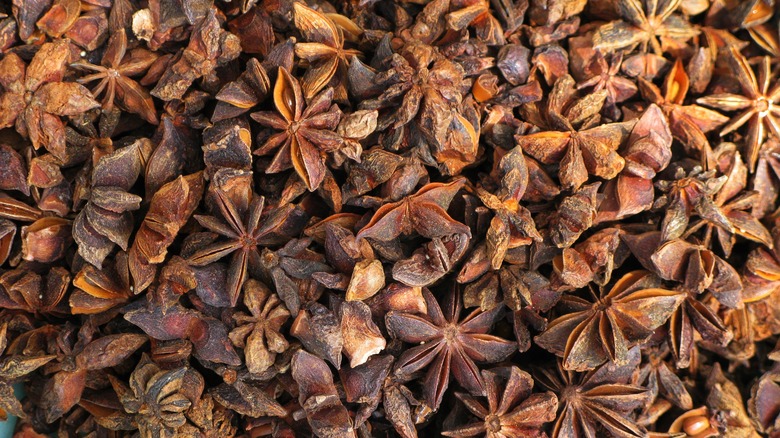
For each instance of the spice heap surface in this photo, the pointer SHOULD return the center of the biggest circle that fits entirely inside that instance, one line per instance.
(381, 218)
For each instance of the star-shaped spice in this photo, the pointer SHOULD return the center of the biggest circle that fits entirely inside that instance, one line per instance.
(35, 97)
(688, 123)
(244, 232)
(734, 204)
(258, 332)
(210, 47)
(323, 49)
(78, 355)
(450, 346)
(605, 330)
(757, 105)
(512, 225)
(645, 23)
(423, 86)
(156, 399)
(13, 367)
(114, 73)
(510, 412)
(425, 214)
(572, 136)
(306, 133)
(606, 76)
(600, 400)
(689, 194)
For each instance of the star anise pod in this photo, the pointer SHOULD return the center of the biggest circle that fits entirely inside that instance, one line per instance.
(258, 332)
(511, 411)
(80, 354)
(648, 151)
(450, 345)
(115, 72)
(35, 97)
(689, 194)
(157, 399)
(209, 47)
(645, 22)
(323, 47)
(12, 368)
(572, 136)
(422, 213)
(605, 330)
(697, 270)
(35, 288)
(307, 134)
(106, 220)
(733, 203)
(84, 22)
(428, 88)
(244, 232)
(599, 401)
(688, 123)
(756, 104)
(512, 225)
(606, 76)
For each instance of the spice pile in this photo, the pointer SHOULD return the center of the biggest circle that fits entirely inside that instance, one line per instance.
(375, 218)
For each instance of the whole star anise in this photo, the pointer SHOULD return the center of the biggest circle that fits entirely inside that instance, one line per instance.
(606, 329)
(652, 24)
(600, 401)
(511, 411)
(114, 73)
(245, 231)
(756, 104)
(307, 134)
(450, 345)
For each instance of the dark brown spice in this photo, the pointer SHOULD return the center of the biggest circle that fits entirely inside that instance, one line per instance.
(384, 218)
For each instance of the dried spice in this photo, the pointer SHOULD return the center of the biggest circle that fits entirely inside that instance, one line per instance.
(376, 218)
